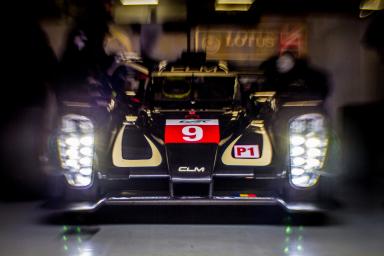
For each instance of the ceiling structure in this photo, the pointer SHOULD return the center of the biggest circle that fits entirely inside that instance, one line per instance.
(203, 11)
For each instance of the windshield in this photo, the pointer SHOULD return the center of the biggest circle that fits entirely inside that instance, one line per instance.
(199, 91)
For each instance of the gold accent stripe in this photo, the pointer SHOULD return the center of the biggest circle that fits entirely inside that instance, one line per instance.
(223, 141)
(130, 118)
(264, 94)
(192, 73)
(265, 159)
(119, 161)
(311, 103)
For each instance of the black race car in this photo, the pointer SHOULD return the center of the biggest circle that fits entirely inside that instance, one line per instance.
(186, 135)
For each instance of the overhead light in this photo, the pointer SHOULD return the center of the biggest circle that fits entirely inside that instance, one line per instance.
(234, 1)
(233, 5)
(374, 5)
(139, 2)
(367, 7)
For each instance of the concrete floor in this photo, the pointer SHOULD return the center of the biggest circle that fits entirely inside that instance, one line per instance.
(357, 228)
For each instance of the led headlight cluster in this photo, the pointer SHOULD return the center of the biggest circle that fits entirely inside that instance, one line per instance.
(307, 148)
(76, 147)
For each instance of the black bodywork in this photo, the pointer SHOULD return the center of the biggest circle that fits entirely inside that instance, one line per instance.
(133, 164)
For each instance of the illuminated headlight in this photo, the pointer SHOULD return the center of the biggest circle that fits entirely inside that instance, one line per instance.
(308, 142)
(297, 151)
(76, 148)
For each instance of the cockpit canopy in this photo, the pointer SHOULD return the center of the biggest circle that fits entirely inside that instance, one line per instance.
(205, 87)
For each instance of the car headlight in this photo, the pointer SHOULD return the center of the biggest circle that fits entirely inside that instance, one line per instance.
(308, 142)
(76, 149)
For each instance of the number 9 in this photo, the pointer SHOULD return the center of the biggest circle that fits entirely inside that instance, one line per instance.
(192, 133)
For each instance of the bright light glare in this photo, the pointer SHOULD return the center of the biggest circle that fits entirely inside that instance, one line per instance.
(72, 141)
(72, 163)
(314, 152)
(72, 153)
(235, 1)
(297, 126)
(139, 2)
(68, 126)
(297, 171)
(86, 151)
(297, 161)
(86, 126)
(297, 151)
(86, 161)
(232, 7)
(83, 180)
(313, 162)
(297, 140)
(86, 141)
(86, 171)
(312, 142)
(307, 149)
(76, 143)
(87, 253)
(300, 180)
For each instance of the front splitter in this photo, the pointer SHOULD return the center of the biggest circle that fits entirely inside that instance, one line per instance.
(194, 201)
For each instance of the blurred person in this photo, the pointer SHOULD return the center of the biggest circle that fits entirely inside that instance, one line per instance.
(84, 54)
(149, 38)
(248, 86)
(92, 45)
(362, 140)
(287, 72)
(30, 71)
(94, 48)
(128, 80)
(373, 37)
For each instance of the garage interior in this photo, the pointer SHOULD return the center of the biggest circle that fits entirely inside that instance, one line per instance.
(332, 34)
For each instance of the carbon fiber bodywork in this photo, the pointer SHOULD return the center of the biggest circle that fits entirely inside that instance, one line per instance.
(133, 163)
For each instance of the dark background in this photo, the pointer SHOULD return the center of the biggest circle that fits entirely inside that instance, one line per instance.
(31, 67)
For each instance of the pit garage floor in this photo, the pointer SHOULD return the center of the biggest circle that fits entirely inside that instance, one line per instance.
(355, 228)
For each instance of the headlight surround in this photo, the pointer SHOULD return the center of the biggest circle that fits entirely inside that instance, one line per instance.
(308, 142)
(76, 149)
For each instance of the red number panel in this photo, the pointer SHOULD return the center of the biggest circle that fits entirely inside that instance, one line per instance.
(192, 131)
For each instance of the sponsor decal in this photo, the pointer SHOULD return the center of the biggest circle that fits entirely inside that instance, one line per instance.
(246, 151)
(252, 44)
(265, 159)
(187, 169)
(248, 195)
(192, 131)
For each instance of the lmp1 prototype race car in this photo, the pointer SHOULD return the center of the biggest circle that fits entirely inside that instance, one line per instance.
(182, 135)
